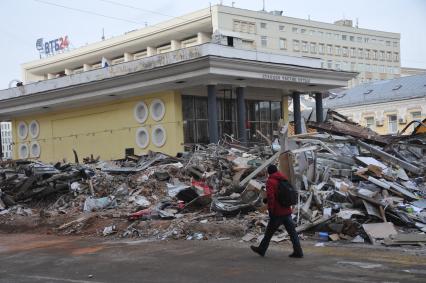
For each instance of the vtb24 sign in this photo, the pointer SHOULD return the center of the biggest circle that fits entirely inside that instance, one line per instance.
(53, 46)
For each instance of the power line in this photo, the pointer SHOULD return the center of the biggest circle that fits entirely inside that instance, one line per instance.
(88, 12)
(140, 9)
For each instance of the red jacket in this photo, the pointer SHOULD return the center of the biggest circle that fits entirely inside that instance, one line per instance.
(274, 206)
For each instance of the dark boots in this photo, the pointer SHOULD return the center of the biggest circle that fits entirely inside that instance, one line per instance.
(257, 250)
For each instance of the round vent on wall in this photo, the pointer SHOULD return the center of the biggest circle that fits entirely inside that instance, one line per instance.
(22, 130)
(141, 112)
(34, 129)
(159, 135)
(23, 151)
(35, 149)
(157, 109)
(142, 137)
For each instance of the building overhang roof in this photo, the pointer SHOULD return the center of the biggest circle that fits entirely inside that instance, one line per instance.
(184, 68)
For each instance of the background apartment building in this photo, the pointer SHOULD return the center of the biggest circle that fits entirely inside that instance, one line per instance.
(339, 46)
(387, 107)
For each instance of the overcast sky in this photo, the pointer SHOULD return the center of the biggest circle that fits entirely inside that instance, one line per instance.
(22, 22)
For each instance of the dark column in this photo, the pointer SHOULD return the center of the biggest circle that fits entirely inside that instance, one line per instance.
(1, 145)
(212, 111)
(241, 105)
(296, 113)
(318, 107)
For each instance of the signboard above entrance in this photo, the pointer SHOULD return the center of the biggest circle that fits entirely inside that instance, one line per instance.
(287, 78)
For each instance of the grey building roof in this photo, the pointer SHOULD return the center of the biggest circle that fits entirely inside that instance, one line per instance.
(380, 91)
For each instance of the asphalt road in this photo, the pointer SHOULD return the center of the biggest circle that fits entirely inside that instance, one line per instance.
(42, 258)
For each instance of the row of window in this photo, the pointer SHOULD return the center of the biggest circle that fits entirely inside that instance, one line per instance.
(250, 27)
(359, 67)
(392, 120)
(329, 49)
(345, 37)
(260, 115)
(336, 50)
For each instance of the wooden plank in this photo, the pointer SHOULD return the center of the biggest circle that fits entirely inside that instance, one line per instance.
(259, 169)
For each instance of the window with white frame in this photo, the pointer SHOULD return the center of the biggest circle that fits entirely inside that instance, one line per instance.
(389, 56)
(416, 115)
(264, 41)
(313, 47)
(302, 30)
(262, 25)
(353, 52)
(396, 56)
(329, 64)
(338, 51)
(281, 27)
(359, 39)
(296, 45)
(283, 43)
(295, 30)
(392, 124)
(345, 51)
(337, 65)
(304, 46)
(344, 36)
(388, 43)
(321, 48)
(369, 122)
(329, 49)
(351, 38)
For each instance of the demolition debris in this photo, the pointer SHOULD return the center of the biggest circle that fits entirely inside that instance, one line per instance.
(353, 186)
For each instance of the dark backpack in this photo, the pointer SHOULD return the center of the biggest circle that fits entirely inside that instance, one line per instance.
(286, 195)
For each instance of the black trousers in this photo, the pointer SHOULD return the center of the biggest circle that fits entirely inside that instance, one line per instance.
(273, 224)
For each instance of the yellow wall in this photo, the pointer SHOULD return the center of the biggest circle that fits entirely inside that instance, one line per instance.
(105, 130)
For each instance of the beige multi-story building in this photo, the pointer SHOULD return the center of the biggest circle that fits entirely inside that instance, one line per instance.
(339, 46)
(198, 78)
(408, 71)
(386, 106)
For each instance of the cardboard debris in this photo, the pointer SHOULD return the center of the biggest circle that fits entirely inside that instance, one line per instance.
(379, 231)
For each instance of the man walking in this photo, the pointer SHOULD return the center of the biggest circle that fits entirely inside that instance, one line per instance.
(277, 215)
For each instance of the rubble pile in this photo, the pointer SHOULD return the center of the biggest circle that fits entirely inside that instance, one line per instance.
(353, 184)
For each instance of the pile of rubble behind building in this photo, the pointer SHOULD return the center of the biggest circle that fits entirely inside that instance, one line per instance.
(354, 185)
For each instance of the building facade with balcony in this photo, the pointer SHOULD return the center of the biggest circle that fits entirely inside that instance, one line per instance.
(178, 83)
(375, 55)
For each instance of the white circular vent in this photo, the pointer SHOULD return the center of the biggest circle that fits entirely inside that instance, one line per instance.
(157, 109)
(35, 149)
(142, 137)
(34, 129)
(23, 151)
(141, 112)
(159, 135)
(22, 130)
